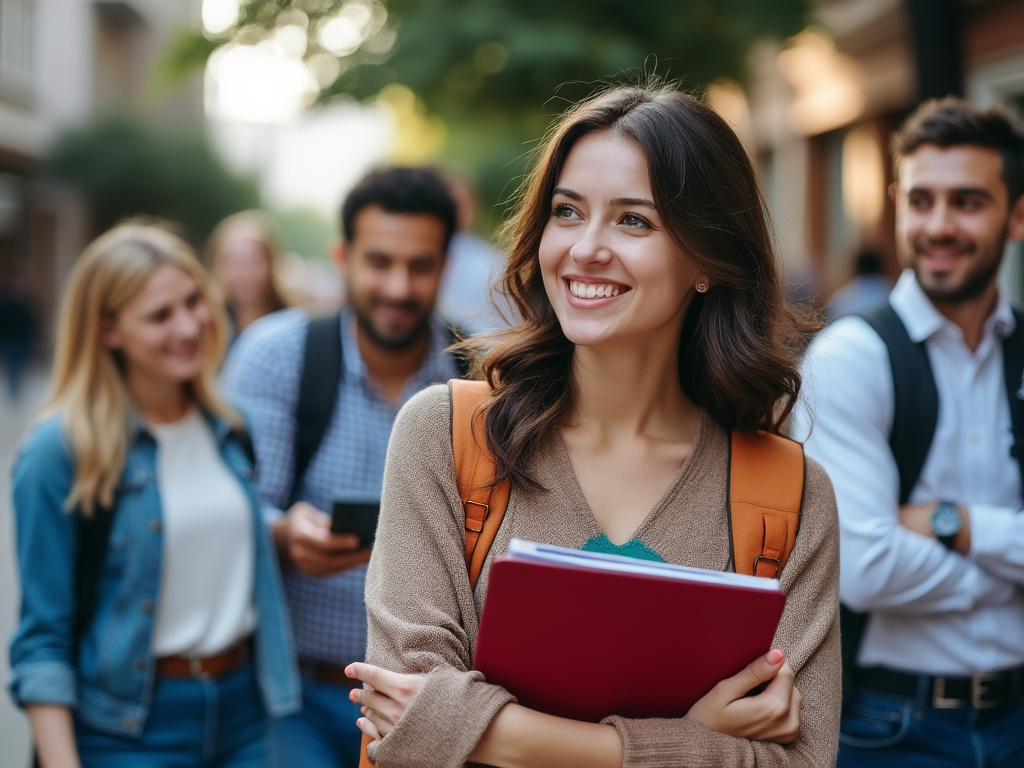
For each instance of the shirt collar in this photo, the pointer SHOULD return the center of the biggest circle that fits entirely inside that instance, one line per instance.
(438, 366)
(923, 320)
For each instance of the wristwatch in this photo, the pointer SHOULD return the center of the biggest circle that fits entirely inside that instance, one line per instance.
(946, 522)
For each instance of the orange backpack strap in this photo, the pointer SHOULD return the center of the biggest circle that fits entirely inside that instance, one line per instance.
(364, 761)
(766, 486)
(484, 504)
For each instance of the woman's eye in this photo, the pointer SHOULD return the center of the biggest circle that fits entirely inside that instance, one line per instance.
(633, 221)
(563, 211)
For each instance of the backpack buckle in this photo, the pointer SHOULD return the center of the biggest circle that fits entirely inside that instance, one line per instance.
(773, 560)
(474, 523)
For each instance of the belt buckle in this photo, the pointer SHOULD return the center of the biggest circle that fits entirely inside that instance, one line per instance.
(980, 686)
(195, 669)
(939, 700)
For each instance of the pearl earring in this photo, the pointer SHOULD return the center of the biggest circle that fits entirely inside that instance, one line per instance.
(702, 287)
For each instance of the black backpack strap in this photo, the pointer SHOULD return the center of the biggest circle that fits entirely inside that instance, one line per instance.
(322, 363)
(1013, 370)
(90, 554)
(915, 397)
(915, 416)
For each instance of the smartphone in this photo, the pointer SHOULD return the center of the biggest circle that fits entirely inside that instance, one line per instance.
(358, 515)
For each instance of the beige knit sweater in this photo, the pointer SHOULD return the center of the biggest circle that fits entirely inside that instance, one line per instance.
(424, 618)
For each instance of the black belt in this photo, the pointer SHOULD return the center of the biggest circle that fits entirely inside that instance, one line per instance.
(985, 691)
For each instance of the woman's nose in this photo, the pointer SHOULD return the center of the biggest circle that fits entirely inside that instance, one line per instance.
(590, 248)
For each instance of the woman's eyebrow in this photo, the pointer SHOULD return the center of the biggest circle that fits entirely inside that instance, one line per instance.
(618, 201)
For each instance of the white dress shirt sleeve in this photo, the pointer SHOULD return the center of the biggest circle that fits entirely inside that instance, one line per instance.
(997, 540)
(845, 415)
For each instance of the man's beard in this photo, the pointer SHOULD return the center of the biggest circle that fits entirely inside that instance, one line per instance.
(390, 342)
(975, 282)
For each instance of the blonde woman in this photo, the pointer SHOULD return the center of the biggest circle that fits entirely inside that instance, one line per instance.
(186, 647)
(243, 254)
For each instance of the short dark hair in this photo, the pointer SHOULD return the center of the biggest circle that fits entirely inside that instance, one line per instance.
(951, 122)
(401, 189)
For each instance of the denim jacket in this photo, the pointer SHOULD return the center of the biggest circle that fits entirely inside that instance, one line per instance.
(110, 684)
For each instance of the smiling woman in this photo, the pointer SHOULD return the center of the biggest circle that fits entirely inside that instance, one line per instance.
(654, 331)
(139, 467)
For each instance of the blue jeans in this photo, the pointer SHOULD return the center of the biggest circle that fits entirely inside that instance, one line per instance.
(883, 730)
(195, 723)
(323, 734)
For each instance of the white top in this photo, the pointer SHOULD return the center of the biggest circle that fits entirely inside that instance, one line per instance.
(205, 602)
(933, 610)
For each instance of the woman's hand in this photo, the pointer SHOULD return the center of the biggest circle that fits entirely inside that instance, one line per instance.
(772, 715)
(390, 696)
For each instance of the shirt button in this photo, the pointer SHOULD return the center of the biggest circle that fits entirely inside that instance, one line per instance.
(146, 606)
(975, 440)
(128, 722)
(140, 664)
(154, 526)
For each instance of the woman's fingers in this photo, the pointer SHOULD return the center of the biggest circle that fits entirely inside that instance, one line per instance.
(761, 670)
(398, 686)
(366, 726)
(383, 706)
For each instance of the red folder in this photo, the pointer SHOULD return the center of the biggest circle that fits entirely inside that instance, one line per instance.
(585, 643)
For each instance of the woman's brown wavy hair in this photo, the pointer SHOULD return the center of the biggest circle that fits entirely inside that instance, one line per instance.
(740, 342)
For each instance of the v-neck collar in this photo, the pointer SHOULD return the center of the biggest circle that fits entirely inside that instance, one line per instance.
(571, 488)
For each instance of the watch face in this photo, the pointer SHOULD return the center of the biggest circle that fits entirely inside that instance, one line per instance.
(946, 520)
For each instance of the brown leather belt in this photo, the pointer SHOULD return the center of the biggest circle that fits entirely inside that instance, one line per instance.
(327, 673)
(208, 668)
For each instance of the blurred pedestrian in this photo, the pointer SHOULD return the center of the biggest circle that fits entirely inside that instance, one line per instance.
(174, 645)
(641, 263)
(866, 290)
(914, 411)
(244, 254)
(360, 365)
(17, 332)
(474, 265)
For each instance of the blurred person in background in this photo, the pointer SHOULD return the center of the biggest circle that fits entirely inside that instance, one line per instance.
(385, 345)
(914, 411)
(172, 649)
(244, 254)
(866, 290)
(17, 331)
(474, 265)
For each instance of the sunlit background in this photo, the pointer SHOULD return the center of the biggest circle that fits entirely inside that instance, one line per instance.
(194, 109)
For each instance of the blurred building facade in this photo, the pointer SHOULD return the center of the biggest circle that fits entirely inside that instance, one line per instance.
(63, 62)
(820, 110)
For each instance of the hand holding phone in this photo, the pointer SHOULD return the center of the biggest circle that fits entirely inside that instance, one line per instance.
(358, 515)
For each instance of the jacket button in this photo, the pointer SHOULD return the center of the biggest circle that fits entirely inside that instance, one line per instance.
(128, 722)
(146, 606)
(154, 526)
(140, 664)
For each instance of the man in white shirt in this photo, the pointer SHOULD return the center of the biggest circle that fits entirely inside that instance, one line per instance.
(938, 567)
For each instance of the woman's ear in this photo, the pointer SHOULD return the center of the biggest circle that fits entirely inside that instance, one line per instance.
(110, 336)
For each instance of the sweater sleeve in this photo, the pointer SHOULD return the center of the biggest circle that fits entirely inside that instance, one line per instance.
(420, 608)
(808, 633)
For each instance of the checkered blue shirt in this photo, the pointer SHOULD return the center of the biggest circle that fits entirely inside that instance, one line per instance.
(261, 376)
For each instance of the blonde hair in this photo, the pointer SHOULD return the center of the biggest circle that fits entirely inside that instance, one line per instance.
(89, 392)
(259, 226)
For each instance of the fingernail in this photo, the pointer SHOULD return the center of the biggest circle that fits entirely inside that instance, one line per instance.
(350, 671)
(352, 695)
(775, 655)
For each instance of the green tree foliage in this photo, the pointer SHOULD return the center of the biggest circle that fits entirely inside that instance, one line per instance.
(497, 70)
(125, 166)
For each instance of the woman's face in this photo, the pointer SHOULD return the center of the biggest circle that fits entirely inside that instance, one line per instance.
(243, 271)
(162, 330)
(611, 271)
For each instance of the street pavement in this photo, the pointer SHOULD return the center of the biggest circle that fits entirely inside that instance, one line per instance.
(14, 420)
